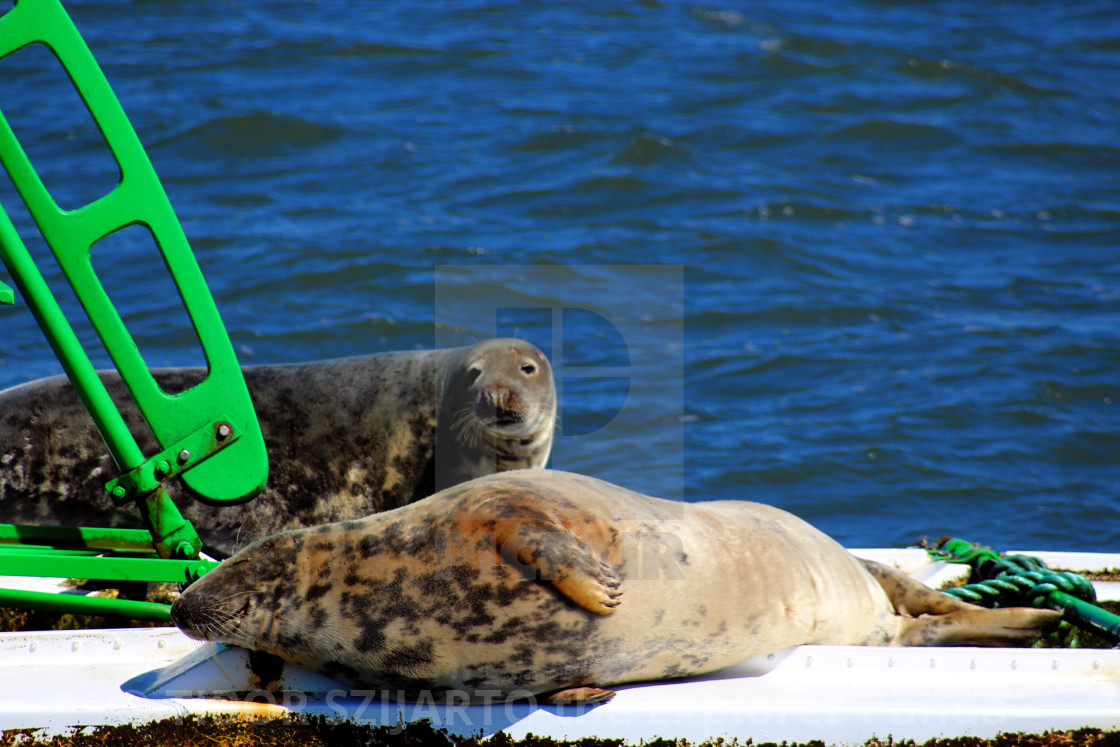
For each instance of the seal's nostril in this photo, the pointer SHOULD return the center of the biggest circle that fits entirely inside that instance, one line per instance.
(179, 611)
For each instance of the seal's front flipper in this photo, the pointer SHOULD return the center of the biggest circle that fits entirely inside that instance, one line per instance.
(546, 551)
(597, 591)
(976, 626)
(580, 696)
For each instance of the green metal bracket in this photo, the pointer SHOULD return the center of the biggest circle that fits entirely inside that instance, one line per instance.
(7, 295)
(187, 453)
(240, 471)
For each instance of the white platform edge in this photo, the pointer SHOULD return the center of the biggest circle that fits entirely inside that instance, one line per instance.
(841, 694)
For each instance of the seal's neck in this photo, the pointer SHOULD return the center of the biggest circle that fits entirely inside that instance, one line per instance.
(522, 453)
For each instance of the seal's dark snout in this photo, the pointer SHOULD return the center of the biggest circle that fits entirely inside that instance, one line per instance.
(183, 611)
(497, 397)
(500, 404)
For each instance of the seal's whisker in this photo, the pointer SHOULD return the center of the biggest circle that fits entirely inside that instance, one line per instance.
(218, 662)
(237, 542)
(220, 625)
(467, 426)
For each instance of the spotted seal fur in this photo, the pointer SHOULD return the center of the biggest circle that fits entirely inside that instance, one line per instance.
(374, 432)
(549, 583)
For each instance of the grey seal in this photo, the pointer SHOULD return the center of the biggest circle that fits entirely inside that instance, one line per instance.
(345, 438)
(560, 585)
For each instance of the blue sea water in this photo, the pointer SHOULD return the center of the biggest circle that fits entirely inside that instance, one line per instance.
(858, 260)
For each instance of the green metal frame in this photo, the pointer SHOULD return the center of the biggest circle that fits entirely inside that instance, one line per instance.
(209, 435)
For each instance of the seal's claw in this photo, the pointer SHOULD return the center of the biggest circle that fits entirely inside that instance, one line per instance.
(607, 577)
(589, 593)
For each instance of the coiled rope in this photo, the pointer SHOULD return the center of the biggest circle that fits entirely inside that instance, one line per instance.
(1025, 581)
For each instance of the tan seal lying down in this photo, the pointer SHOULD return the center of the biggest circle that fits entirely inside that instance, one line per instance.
(538, 582)
(372, 432)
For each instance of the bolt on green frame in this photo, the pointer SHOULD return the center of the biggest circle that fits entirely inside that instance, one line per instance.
(209, 434)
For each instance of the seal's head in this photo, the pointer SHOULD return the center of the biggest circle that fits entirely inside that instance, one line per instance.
(341, 599)
(244, 601)
(509, 394)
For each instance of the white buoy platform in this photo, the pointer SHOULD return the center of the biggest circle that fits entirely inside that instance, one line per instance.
(56, 680)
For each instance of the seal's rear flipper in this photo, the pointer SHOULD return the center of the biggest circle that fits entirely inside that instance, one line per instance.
(1015, 626)
(580, 696)
(930, 618)
(912, 597)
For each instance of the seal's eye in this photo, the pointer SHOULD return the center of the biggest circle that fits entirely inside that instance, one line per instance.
(528, 369)
(473, 373)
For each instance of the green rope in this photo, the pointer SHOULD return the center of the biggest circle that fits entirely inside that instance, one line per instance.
(1025, 581)
(1024, 589)
(961, 551)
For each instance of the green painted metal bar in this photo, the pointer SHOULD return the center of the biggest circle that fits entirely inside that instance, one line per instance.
(133, 540)
(176, 536)
(239, 472)
(114, 568)
(65, 344)
(74, 552)
(76, 603)
(209, 435)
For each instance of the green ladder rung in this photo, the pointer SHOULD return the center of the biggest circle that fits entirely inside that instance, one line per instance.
(76, 603)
